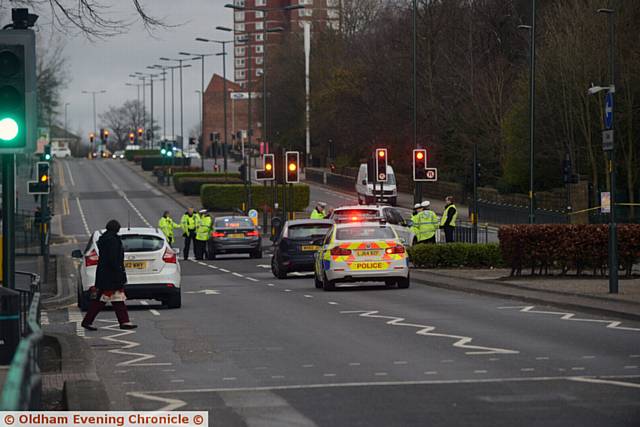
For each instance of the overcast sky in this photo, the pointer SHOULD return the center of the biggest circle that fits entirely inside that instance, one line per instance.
(106, 64)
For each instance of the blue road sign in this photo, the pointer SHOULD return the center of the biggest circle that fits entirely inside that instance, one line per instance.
(608, 111)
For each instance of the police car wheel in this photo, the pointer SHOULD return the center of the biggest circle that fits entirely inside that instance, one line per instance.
(328, 285)
(404, 283)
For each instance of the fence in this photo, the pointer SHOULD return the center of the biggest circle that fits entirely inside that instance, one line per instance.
(499, 213)
(23, 386)
(464, 233)
(30, 233)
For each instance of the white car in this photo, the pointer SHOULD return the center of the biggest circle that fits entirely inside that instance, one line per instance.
(387, 214)
(60, 152)
(118, 154)
(153, 270)
(361, 252)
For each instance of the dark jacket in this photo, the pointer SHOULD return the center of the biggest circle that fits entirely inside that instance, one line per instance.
(110, 274)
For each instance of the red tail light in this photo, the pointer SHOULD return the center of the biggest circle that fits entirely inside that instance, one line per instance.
(253, 233)
(398, 249)
(338, 251)
(91, 259)
(217, 234)
(169, 256)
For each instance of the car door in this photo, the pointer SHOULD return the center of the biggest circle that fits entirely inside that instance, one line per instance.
(398, 225)
(321, 252)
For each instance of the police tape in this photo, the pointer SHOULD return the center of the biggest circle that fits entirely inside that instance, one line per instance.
(104, 418)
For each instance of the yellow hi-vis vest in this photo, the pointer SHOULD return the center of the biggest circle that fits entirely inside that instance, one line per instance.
(446, 214)
(188, 223)
(166, 225)
(316, 215)
(203, 227)
(427, 225)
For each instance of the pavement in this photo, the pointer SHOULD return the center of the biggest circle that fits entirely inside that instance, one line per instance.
(257, 351)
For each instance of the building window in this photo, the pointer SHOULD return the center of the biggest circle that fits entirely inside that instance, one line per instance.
(259, 25)
(239, 16)
(259, 37)
(305, 12)
(239, 51)
(238, 3)
(240, 62)
(333, 3)
(240, 74)
(259, 49)
(239, 27)
(258, 72)
(333, 14)
(241, 39)
(305, 2)
(259, 14)
(259, 60)
(335, 25)
(261, 2)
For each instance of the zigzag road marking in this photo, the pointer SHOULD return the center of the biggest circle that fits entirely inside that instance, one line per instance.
(139, 357)
(611, 324)
(425, 330)
(172, 404)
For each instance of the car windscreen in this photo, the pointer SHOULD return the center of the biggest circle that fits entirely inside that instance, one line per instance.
(141, 243)
(307, 231)
(231, 223)
(391, 179)
(372, 232)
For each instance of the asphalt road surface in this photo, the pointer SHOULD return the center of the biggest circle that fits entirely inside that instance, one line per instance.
(254, 350)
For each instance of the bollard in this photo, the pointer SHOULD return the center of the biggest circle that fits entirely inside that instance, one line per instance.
(9, 324)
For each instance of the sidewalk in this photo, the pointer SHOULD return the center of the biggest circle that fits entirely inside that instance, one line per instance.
(583, 293)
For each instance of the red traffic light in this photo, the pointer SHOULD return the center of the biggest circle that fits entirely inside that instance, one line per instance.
(382, 152)
(419, 155)
(268, 167)
(293, 167)
(140, 131)
(292, 161)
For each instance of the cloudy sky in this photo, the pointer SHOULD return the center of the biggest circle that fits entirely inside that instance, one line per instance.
(106, 64)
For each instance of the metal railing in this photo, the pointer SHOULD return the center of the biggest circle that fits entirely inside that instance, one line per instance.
(23, 386)
(464, 233)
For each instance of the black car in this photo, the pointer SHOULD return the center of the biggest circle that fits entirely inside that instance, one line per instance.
(297, 244)
(234, 235)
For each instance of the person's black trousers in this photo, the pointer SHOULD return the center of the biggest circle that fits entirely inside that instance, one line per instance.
(187, 243)
(199, 248)
(449, 234)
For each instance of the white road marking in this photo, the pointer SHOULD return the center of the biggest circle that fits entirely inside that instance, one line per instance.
(171, 404)
(634, 356)
(204, 291)
(494, 359)
(332, 303)
(126, 345)
(287, 290)
(212, 266)
(400, 362)
(601, 381)
(120, 371)
(167, 370)
(277, 377)
(224, 270)
(542, 358)
(393, 383)
(527, 369)
(480, 371)
(631, 367)
(237, 274)
(577, 368)
(380, 374)
(154, 312)
(328, 375)
(424, 330)
(252, 279)
(571, 316)
(82, 217)
(229, 379)
(263, 266)
(431, 372)
(270, 284)
(124, 196)
(202, 263)
(75, 316)
(177, 381)
(308, 296)
(354, 364)
(128, 382)
(307, 366)
(73, 182)
(588, 357)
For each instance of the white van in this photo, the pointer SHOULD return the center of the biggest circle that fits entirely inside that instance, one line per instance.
(365, 189)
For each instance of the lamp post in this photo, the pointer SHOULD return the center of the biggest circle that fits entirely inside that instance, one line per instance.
(66, 104)
(180, 66)
(224, 89)
(163, 73)
(417, 191)
(93, 94)
(151, 125)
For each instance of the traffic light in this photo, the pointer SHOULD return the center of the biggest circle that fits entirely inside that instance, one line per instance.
(267, 173)
(132, 137)
(163, 148)
(46, 154)
(169, 149)
(140, 132)
(293, 167)
(17, 91)
(420, 164)
(92, 137)
(381, 164)
(106, 135)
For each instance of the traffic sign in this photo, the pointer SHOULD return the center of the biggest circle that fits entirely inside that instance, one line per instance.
(431, 174)
(607, 140)
(253, 214)
(608, 111)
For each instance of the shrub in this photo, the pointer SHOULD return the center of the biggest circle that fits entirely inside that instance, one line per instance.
(149, 162)
(225, 197)
(131, 154)
(175, 169)
(192, 186)
(455, 255)
(567, 247)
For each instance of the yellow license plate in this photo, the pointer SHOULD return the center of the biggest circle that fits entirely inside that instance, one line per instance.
(368, 253)
(236, 236)
(310, 247)
(368, 265)
(135, 265)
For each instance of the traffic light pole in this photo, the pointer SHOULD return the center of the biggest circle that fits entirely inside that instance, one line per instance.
(8, 221)
(474, 220)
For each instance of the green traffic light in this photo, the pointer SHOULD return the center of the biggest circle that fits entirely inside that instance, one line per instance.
(163, 151)
(8, 129)
(169, 154)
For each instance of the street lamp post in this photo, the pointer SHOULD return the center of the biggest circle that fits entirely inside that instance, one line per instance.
(93, 94)
(224, 90)
(150, 130)
(66, 104)
(163, 73)
(180, 66)
(417, 191)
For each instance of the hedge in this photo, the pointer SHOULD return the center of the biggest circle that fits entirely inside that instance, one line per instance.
(175, 169)
(224, 197)
(130, 154)
(455, 255)
(180, 175)
(567, 247)
(149, 162)
(192, 186)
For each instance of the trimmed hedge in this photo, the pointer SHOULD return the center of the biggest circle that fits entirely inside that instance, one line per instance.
(192, 186)
(456, 255)
(176, 169)
(567, 247)
(181, 175)
(131, 154)
(150, 162)
(224, 197)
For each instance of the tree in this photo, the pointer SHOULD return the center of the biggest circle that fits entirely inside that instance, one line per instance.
(52, 77)
(122, 120)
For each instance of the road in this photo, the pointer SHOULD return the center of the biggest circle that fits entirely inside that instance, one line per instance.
(257, 351)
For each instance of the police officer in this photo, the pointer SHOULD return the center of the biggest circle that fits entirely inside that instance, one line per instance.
(318, 211)
(203, 232)
(166, 225)
(449, 218)
(188, 222)
(415, 220)
(429, 223)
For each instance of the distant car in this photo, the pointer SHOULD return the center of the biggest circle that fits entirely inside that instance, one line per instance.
(387, 214)
(132, 147)
(361, 252)
(296, 246)
(119, 154)
(152, 267)
(60, 152)
(234, 235)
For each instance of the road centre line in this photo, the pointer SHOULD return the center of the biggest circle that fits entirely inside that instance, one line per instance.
(237, 274)
(124, 196)
(66, 164)
(224, 270)
(605, 379)
(252, 279)
(83, 217)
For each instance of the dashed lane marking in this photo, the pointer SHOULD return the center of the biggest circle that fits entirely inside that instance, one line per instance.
(577, 368)
(277, 377)
(177, 381)
(224, 270)
(252, 279)
(229, 379)
(66, 164)
(308, 296)
(480, 371)
(237, 274)
(380, 374)
(287, 290)
(431, 372)
(604, 381)
(425, 330)
(542, 358)
(83, 217)
(634, 356)
(307, 366)
(354, 364)
(631, 367)
(588, 357)
(332, 303)
(400, 362)
(328, 375)
(154, 312)
(270, 284)
(611, 324)
(527, 369)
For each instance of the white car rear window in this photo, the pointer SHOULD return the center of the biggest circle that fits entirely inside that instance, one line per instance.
(141, 243)
(365, 233)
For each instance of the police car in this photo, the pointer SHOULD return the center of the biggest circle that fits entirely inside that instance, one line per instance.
(388, 214)
(361, 252)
